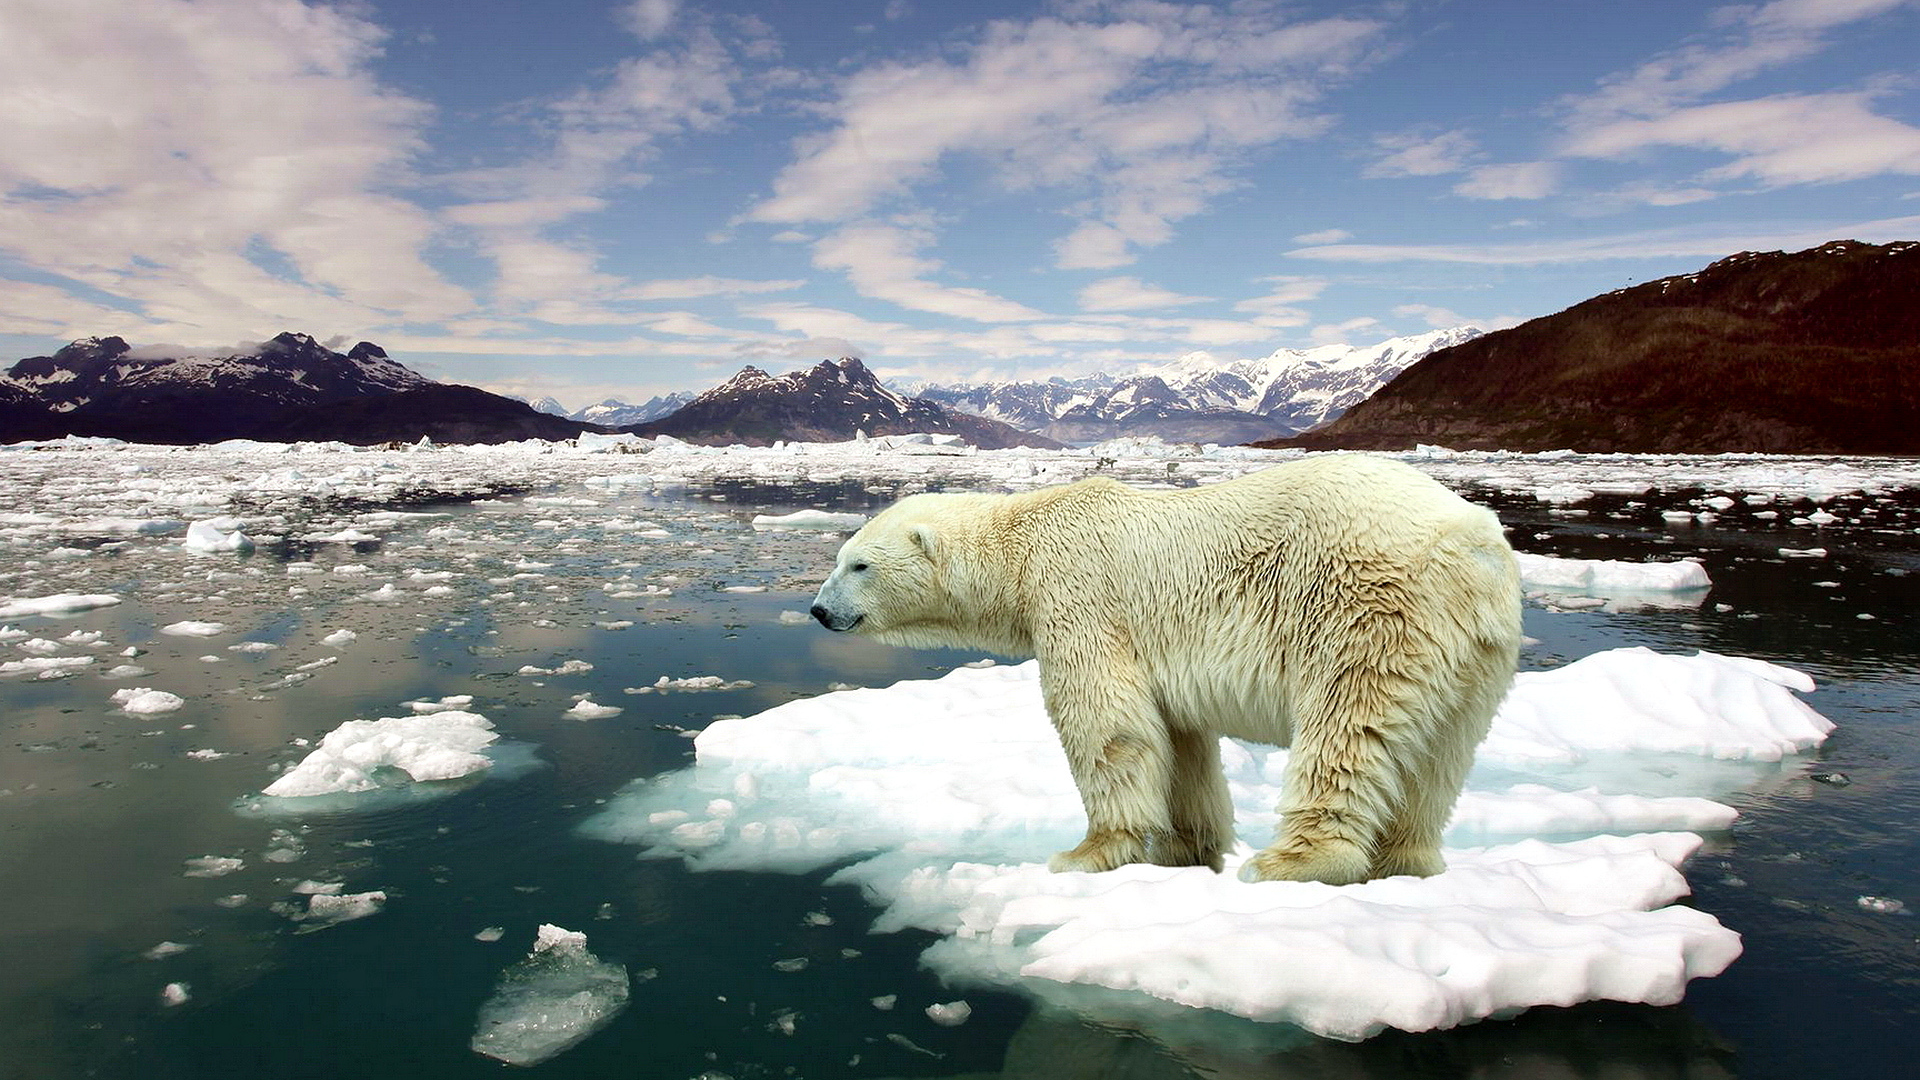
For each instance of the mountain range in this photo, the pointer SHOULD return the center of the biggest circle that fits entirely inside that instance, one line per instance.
(1199, 398)
(831, 401)
(290, 387)
(1809, 352)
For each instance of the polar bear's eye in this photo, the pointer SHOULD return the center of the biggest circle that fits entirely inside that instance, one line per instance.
(858, 567)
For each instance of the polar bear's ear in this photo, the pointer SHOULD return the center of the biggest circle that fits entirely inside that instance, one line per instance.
(927, 541)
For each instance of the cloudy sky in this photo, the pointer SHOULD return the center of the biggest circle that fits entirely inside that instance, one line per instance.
(583, 198)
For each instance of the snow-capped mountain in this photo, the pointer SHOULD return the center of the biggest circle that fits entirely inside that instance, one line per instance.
(616, 413)
(292, 369)
(828, 402)
(549, 406)
(290, 387)
(1200, 397)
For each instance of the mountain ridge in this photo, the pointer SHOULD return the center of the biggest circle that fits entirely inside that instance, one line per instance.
(1815, 351)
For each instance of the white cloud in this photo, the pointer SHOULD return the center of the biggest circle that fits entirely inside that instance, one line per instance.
(696, 288)
(1341, 333)
(1421, 155)
(1706, 242)
(1776, 140)
(1789, 139)
(1130, 294)
(1324, 236)
(220, 166)
(1280, 306)
(1144, 108)
(1519, 180)
(884, 262)
(648, 19)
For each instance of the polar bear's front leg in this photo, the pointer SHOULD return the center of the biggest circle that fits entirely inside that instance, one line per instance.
(1117, 748)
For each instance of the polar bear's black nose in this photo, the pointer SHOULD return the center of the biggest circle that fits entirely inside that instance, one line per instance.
(820, 613)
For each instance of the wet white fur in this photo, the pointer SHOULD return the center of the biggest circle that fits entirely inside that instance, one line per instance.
(1346, 605)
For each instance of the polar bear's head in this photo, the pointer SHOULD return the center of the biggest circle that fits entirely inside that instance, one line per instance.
(887, 581)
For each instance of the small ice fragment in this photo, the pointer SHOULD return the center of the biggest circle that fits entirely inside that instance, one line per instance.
(810, 519)
(193, 628)
(142, 701)
(491, 933)
(949, 1014)
(326, 909)
(791, 618)
(908, 1044)
(340, 637)
(1835, 779)
(798, 963)
(212, 866)
(549, 1001)
(586, 709)
(885, 1002)
(175, 993)
(58, 604)
(165, 949)
(217, 535)
(1881, 905)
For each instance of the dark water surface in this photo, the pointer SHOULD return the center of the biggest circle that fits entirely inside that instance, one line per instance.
(99, 812)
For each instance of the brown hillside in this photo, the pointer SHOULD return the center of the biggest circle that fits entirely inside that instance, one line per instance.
(1815, 351)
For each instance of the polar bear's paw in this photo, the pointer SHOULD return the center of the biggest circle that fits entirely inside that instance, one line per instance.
(1101, 851)
(1334, 862)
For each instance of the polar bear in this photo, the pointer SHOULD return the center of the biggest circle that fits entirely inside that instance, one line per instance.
(1345, 605)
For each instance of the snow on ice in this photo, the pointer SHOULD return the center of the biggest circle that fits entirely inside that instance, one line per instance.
(947, 796)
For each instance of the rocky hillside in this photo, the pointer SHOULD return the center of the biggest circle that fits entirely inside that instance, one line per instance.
(829, 402)
(1815, 351)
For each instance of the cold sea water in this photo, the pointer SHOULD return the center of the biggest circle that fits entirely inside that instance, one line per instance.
(123, 831)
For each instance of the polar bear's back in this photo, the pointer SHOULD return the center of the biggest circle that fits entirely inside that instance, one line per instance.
(1265, 576)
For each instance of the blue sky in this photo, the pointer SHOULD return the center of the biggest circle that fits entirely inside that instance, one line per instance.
(586, 199)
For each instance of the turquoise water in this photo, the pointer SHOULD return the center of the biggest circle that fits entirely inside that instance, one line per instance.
(102, 810)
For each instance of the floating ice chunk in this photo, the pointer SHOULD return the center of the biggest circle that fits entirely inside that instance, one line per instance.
(552, 1000)
(490, 933)
(949, 1014)
(1791, 553)
(57, 604)
(586, 709)
(175, 993)
(449, 703)
(792, 618)
(194, 628)
(690, 684)
(810, 519)
(217, 536)
(1604, 577)
(962, 826)
(165, 949)
(438, 746)
(328, 909)
(567, 667)
(1637, 700)
(212, 866)
(340, 637)
(141, 701)
(39, 646)
(46, 667)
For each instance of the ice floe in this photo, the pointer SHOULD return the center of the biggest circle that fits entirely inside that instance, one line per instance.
(57, 604)
(144, 701)
(811, 519)
(433, 746)
(944, 798)
(550, 1001)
